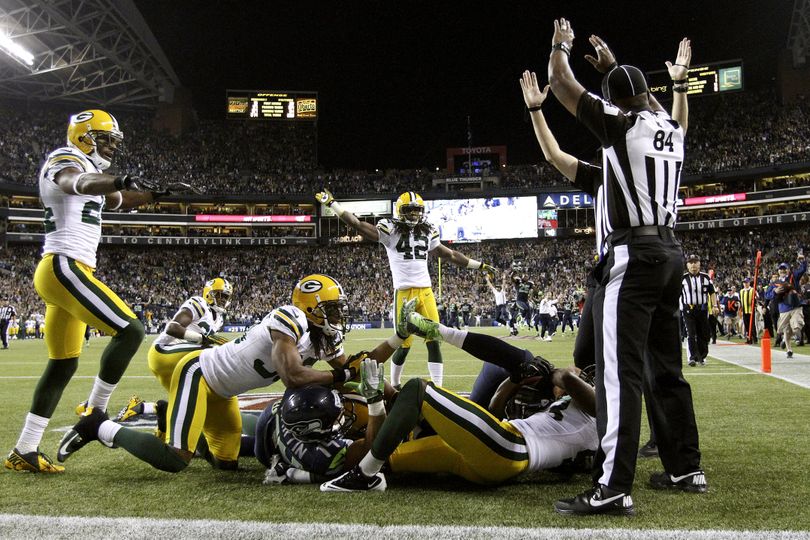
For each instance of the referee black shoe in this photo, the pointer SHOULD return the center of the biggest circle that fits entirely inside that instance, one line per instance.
(598, 500)
(693, 482)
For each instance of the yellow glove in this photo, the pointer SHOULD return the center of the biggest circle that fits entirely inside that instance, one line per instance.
(325, 197)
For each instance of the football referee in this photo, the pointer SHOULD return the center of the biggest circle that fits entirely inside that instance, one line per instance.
(696, 288)
(7, 313)
(639, 275)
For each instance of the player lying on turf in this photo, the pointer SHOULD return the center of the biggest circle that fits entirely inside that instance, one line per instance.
(205, 383)
(472, 442)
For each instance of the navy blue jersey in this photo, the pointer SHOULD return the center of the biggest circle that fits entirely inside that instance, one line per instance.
(325, 458)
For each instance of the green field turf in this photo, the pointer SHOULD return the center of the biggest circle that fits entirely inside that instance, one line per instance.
(754, 429)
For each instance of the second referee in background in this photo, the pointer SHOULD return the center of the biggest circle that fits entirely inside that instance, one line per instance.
(696, 288)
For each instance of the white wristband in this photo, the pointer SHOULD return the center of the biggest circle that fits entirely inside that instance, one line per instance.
(472, 264)
(394, 341)
(192, 336)
(336, 208)
(376, 409)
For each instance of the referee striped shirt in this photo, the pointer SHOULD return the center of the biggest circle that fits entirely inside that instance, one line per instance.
(7, 312)
(642, 155)
(696, 289)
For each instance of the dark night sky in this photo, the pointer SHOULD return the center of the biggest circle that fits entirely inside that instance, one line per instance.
(396, 80)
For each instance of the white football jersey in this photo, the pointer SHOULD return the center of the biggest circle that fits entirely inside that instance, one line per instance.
(246, 363)
(72, 222)
(556, 434)
(204, 320)
(407, 255)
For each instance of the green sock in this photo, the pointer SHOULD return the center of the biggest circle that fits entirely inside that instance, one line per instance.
(404, 416)
(120, 350)
(150, 449)
(434, 352)
(399, 356)
(51, 384)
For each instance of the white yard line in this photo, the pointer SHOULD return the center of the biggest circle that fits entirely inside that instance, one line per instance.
(22, 526)
(795, 370)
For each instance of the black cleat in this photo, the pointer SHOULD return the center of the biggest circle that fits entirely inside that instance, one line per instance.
(355, 480)
(85, 431)
(694, 482)
(649, 450)
(598, 500)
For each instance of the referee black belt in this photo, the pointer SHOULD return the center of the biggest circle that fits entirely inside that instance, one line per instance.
(693, 307)
(625, 236)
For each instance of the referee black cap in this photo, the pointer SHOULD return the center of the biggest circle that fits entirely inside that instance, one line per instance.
(693, 258)
(623, 82)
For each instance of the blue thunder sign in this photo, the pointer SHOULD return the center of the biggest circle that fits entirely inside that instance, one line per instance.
(576, 199)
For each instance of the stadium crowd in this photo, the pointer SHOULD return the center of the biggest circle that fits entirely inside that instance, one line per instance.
(263, 277)
(241, 157)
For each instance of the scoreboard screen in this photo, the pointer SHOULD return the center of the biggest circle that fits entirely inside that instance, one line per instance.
(704, 79)
(271, 105)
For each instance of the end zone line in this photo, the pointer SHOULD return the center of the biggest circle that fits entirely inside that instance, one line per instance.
(22, 526)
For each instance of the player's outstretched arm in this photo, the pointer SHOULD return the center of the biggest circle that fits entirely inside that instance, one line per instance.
(462, 260)
(134, 199)
(564, 85)
(534, 98)
(292, 371)
(75, 182)
(366, 230)
(679, 73)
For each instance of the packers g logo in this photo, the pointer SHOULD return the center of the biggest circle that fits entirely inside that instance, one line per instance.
(311, 286)
(83, 116)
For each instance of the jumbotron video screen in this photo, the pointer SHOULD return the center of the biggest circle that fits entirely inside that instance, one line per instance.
(473, 220)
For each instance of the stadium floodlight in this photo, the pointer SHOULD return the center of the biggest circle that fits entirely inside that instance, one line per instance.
(15, 50)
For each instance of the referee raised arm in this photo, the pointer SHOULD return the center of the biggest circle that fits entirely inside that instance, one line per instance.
(641, 263)
(696, 289)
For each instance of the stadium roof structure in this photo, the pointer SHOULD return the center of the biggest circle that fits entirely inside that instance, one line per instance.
(799, 34)
(89, 51)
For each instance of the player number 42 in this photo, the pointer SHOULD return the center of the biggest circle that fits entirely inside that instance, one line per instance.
(417, 251)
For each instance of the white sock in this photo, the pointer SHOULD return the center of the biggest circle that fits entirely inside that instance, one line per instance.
(149, 407)
(436, 370)
(32, 432)
(370, 465)
(107, 431)
(396, 374)
(452, 336)
(100, 395)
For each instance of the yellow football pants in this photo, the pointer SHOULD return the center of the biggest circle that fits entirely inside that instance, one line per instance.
(162, 359)
(469, 442)
(426, 306)
(73, 299)
(194, 408)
